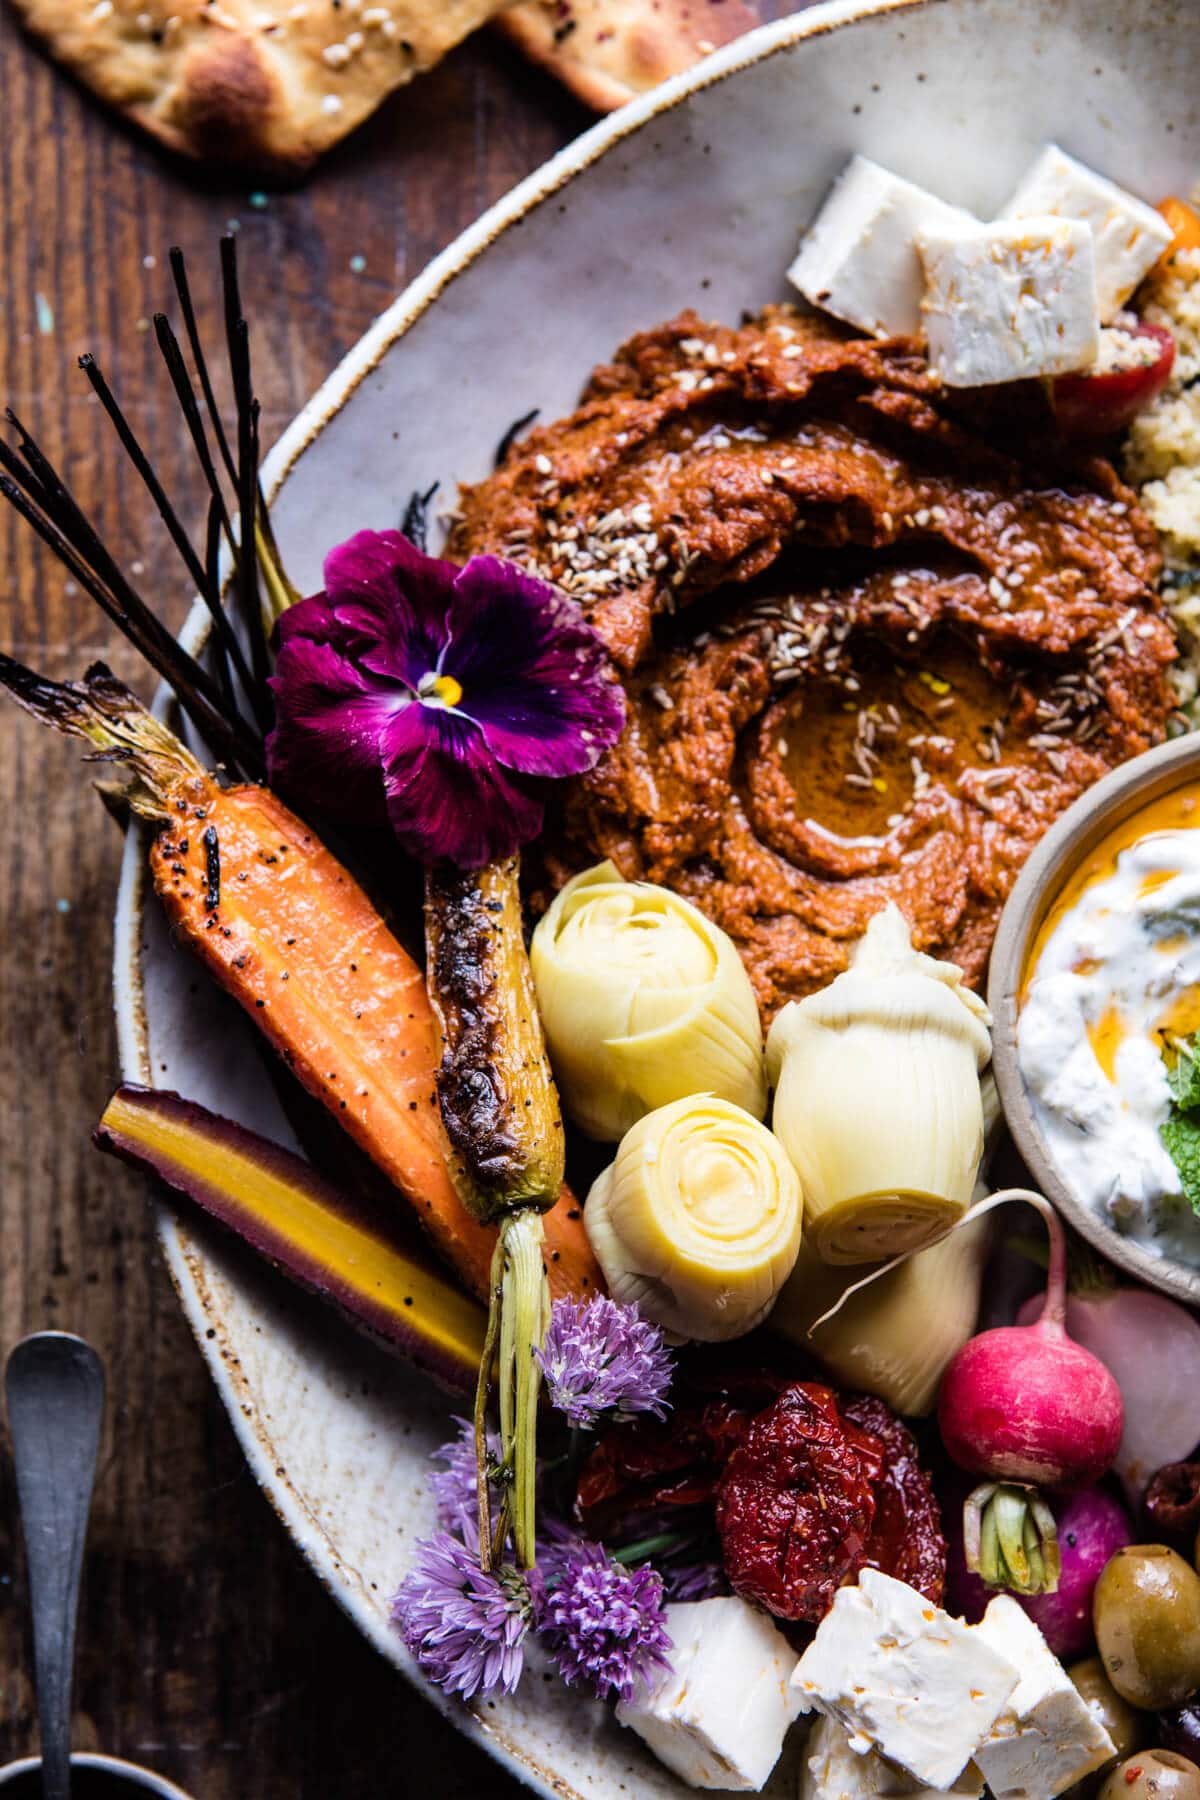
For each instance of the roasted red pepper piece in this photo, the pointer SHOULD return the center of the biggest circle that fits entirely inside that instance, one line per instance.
(795, 1505)
(1098, 406)
(906, 1536)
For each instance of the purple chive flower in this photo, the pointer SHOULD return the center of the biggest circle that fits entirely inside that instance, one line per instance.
(466, 1629)
(454, 1488)
(440, 698)
(693, 1581)
(599, 1357)
(602, 1623)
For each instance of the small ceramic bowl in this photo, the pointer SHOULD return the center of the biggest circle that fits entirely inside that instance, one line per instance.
(1118, 797)
(93, 1777)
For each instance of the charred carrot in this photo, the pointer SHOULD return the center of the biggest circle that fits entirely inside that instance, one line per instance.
(295, 940)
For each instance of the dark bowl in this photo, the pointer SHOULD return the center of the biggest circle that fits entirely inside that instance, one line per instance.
(93, 1777)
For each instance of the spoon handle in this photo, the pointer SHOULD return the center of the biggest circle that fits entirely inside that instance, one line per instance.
(55, 1389)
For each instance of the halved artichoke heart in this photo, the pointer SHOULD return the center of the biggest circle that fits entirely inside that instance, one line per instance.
(877, 1097)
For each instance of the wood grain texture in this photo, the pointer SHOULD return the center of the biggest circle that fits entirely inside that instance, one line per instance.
(207, 1649)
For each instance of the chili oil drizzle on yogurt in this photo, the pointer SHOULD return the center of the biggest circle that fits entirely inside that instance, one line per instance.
(1113, 978)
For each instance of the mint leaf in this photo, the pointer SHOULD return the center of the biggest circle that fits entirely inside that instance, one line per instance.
(1181, 1139)
(1184, 1079)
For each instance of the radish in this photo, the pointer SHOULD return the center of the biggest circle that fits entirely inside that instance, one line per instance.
(1025, 1402)
(1091, 1526)
(1151, 1345)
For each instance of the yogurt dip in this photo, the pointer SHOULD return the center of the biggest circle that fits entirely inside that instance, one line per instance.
(1113, 980)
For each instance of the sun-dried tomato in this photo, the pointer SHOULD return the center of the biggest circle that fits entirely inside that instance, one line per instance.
(796, 1504)
(906, 1537)
(656, 1465)
(638, 1470)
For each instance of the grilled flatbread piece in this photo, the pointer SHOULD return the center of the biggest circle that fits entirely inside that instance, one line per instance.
(607, 51)
(268, 84)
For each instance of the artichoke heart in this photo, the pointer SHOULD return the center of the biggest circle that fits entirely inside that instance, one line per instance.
(643, 1001)
(895, 1337)
(698, 1220)
(877, 1097)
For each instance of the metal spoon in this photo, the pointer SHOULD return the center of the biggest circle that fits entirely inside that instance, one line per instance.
(54, 1385)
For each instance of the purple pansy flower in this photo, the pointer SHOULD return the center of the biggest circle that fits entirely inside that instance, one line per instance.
(599, 1356)
(466, 1629)
(602, 1623)
(439, 697)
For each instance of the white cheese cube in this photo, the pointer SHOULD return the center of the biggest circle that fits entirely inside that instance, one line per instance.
(833, 1771)
(719, 1715)
(1047, 1738)
(859, 261)
(1010, 301)
(904, 1678)
(1128, 236)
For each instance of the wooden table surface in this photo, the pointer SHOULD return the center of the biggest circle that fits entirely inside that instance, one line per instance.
(206, 1648)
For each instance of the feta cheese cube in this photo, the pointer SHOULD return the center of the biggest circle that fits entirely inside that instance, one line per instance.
(1010, 301)
(719, 1715)
(1047, 1738)
(859, 261)
(904, 1678)
(833, 1771)
(1128, 236)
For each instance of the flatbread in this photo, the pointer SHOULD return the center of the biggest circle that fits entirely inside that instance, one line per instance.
(608, 51)
(267, 84)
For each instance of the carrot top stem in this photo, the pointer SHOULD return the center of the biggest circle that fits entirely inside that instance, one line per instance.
(104, 712)
(482, 1386)
(524, 1306)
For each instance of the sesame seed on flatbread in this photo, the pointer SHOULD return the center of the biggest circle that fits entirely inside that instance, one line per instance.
(608, 51)
(266, 84)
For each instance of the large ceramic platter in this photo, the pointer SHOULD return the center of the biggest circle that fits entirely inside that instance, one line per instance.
(693, 196)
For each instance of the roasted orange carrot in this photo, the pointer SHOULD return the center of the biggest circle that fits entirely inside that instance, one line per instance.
(290, 934)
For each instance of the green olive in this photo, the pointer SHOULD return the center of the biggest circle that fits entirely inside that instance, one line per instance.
(1125, 1726)
(1146, 1612)
(1153, 1775)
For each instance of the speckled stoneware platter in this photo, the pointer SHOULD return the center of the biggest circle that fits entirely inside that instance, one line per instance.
(692, 196)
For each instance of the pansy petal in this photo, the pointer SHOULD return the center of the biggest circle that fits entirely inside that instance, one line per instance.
(312, 618)
(535, 676)
(446, 797)
(393, 599)
(329, 723)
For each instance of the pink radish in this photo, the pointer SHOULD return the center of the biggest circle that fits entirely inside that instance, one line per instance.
(1092, 1525)
(1151, 1345)
(1026, 1403)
